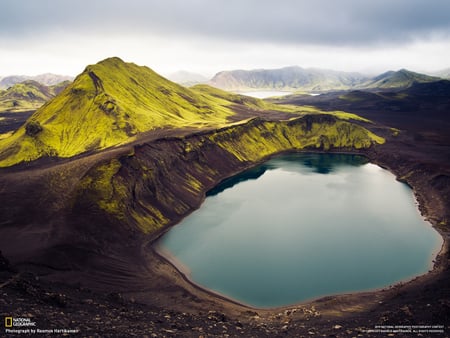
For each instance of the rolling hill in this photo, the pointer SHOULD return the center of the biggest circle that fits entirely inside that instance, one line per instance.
(421, 108)
(46, 79)
(399, 79)
(110, 103)
(28, 95)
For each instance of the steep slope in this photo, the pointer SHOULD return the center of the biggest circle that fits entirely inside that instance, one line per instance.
(399, 79)
(28, 95)
(288, 78)
(109, 104)
(156, 184)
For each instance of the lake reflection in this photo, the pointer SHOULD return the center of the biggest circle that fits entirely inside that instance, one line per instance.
(303, 226)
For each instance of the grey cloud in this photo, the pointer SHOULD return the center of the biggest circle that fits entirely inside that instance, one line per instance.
(319, 22)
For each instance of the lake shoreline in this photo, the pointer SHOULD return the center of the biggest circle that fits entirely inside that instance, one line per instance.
(438, 251)
(161, 298)
(147, 282)
(364, 298)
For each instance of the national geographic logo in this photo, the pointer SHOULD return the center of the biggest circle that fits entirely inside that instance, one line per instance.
(8, 321)
(19, 322)
(26, 326)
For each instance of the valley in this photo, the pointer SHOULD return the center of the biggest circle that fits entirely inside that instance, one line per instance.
(103, 169)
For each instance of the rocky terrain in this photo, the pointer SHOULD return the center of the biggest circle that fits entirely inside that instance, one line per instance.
(78, 224)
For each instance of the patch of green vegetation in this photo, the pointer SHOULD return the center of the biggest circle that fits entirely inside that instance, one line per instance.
(401, 96)
(395, 131)
(151, 221)
(170, 182)
(104, 188)
(342, 115)
(399, 79)
(108, 104)
(165, 182)
(112, 102)
(264, 139)
(25, 96)
(247, 101)
(360, 96)
(5, 135)
(351, 97)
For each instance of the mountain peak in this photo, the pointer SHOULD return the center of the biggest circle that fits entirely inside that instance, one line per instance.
(108, 104)
(112, 59)
(288, 78)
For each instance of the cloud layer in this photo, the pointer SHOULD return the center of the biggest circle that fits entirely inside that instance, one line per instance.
(352, 24)
(348, 22)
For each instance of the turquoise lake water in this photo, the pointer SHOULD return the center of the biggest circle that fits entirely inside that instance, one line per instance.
(303, 226)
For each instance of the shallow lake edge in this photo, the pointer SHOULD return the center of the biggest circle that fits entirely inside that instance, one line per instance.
(437, 263)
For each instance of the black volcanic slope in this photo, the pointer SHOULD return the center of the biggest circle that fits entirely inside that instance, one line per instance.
(78, 230)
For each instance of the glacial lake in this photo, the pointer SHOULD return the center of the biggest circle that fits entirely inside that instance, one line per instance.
(303, 226)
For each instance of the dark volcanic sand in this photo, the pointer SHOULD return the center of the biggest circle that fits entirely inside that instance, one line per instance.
(141, 294)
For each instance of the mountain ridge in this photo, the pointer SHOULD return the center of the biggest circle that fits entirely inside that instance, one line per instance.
(47, 79)
(295, 78)
(107, 104)
(287, 78)
(402, 78)
(111, 103)
(28, 95)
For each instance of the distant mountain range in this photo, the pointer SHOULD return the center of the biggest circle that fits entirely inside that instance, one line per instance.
(46, 79)
(186, 78)
(292, 78)
(313, 80)
(399, 79)
(287, 78)
(28, 95)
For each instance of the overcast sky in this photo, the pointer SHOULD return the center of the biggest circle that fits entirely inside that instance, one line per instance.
(206, 36)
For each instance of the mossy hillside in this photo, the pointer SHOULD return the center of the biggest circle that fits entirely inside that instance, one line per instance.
(106, 105)
(267, 105)
(399, 79)
(101, 181)
(27, 95)
(320, 132)
(110, 103)
(161, 182)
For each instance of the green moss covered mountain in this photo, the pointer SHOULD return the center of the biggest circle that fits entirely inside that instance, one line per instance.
(399, 79)
(113, 103)
(28, 95)
(109, 103)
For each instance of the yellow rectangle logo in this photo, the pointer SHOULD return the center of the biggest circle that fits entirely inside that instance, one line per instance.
(8, 321)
